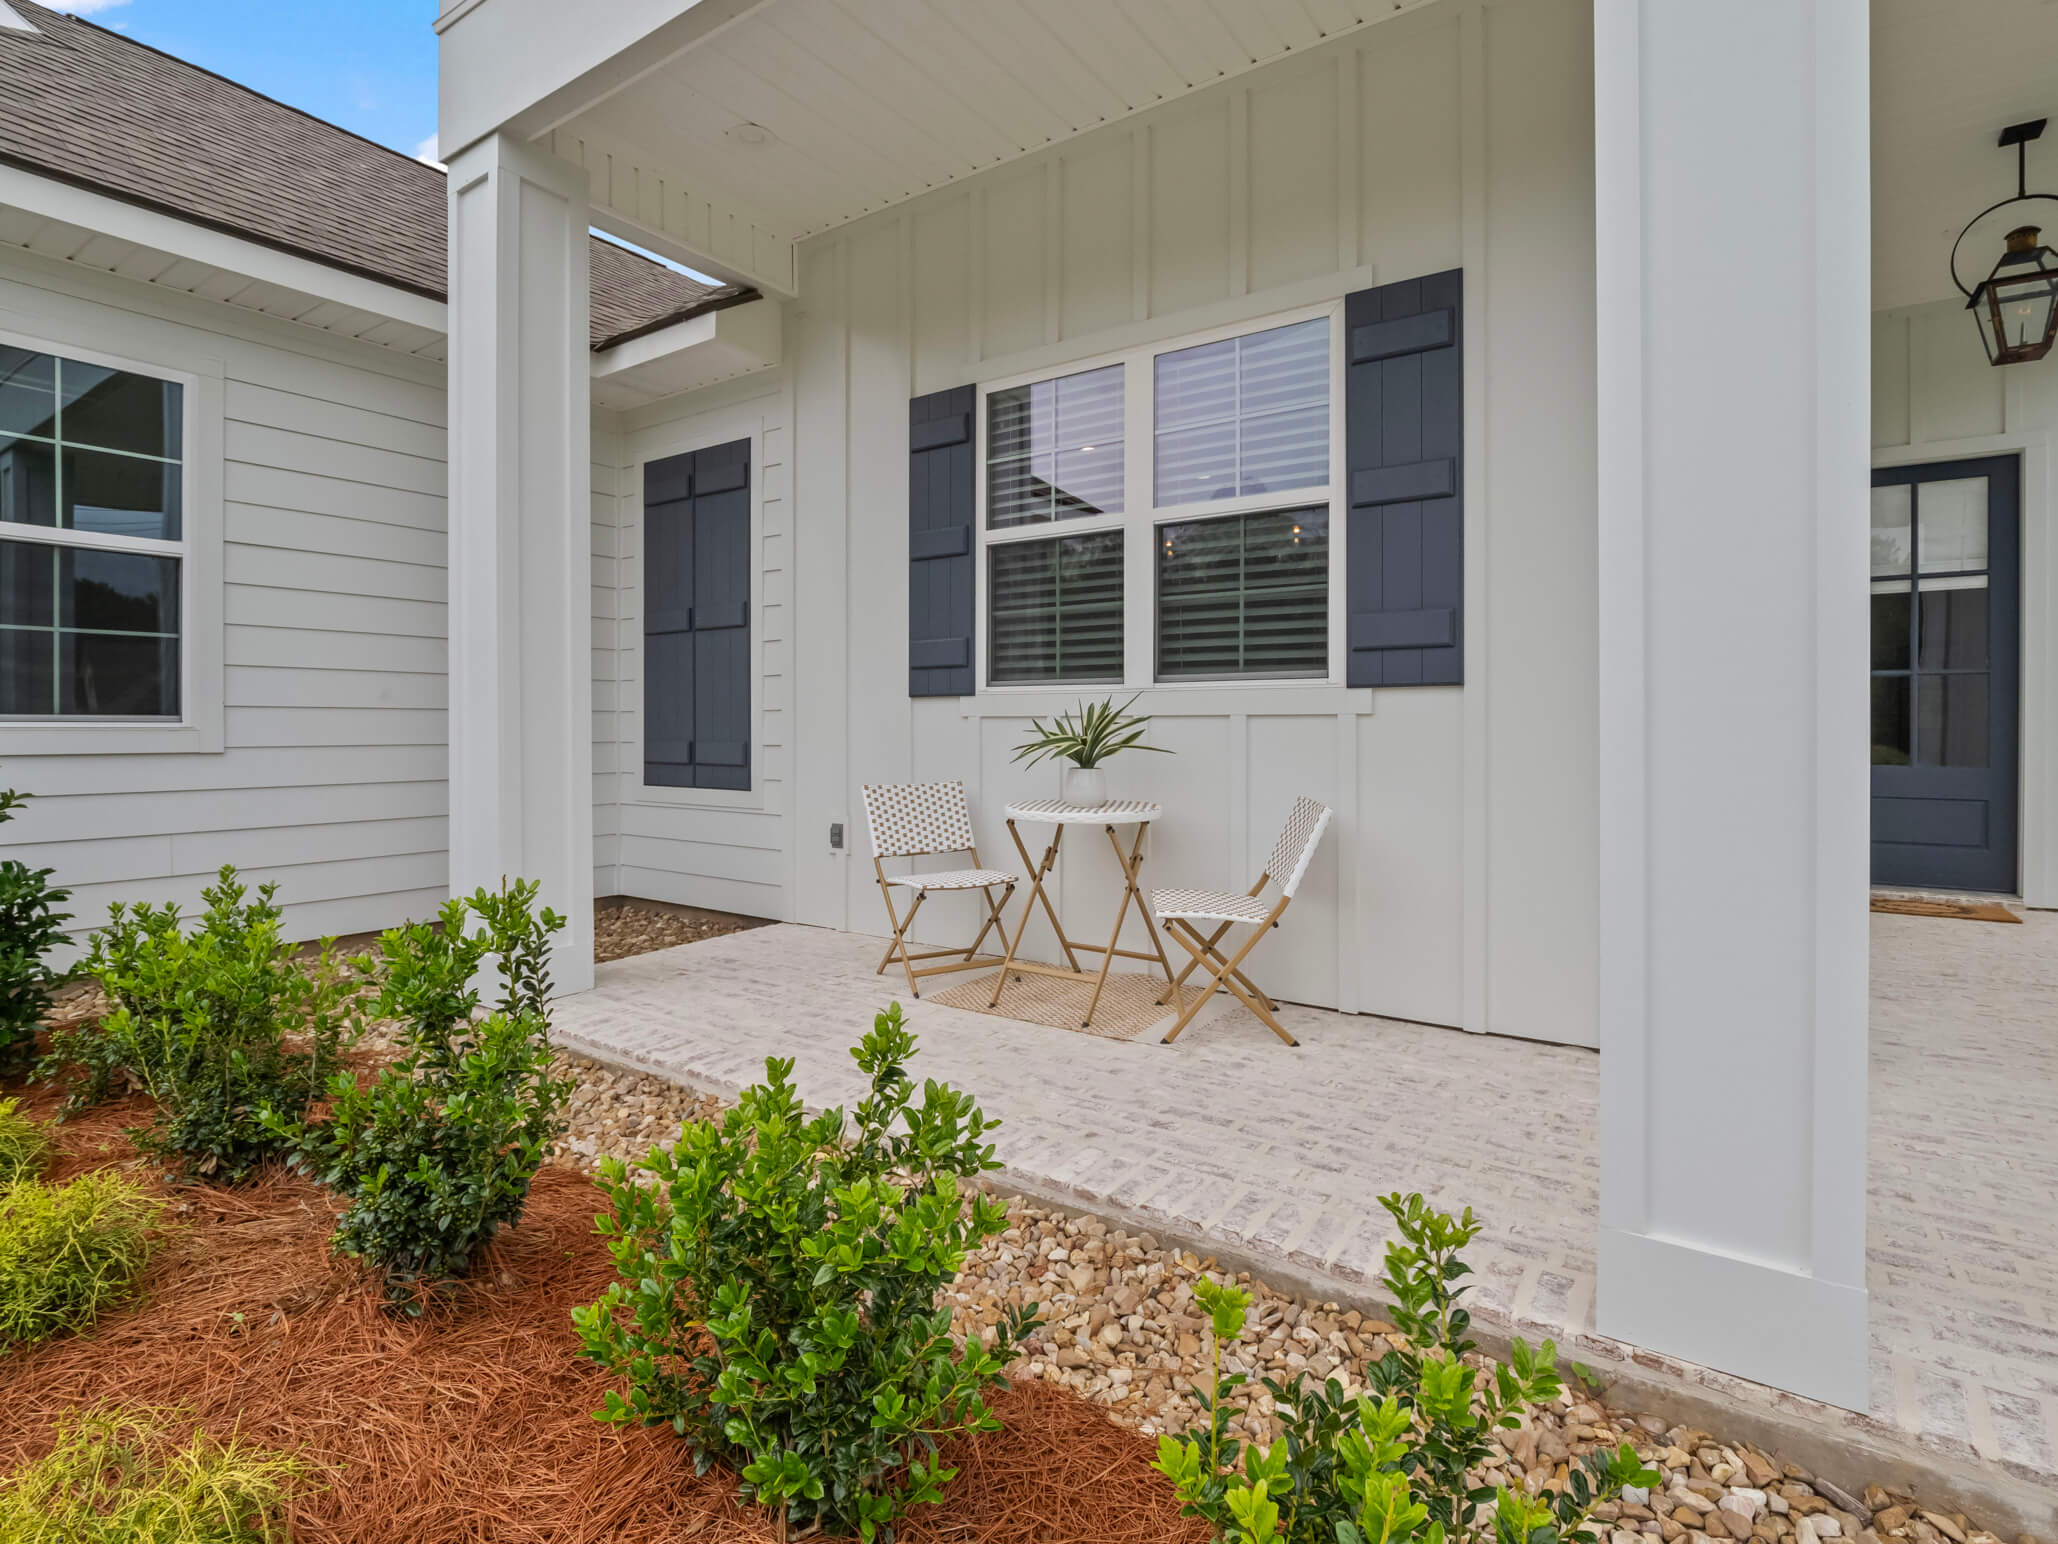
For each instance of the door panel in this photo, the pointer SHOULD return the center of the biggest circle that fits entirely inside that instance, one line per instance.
(1946, 658)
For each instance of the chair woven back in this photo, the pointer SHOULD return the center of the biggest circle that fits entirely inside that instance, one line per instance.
(910, 819)
(1297, 843)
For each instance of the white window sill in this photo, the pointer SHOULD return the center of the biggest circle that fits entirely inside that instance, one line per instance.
(58, 737)
(1196, 700)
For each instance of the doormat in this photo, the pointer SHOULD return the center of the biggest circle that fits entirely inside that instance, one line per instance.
(1919, 906)
(1127, 1008)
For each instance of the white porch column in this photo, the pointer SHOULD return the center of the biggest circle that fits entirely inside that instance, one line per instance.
(521, 723)
(1733, 264)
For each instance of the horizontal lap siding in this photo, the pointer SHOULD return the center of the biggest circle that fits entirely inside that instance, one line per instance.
(333, 776)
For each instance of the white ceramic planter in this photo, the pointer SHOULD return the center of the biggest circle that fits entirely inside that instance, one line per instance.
(1084, 785)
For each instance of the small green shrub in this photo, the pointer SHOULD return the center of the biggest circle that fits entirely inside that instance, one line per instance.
(69, 1252)
(30, 927)
(114, 1478)
(777, 1306)
(217, 1025)
(24, 1145)
(1389, 1466)
(437, 1154)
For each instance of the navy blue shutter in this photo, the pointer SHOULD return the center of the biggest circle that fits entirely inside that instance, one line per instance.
(1404, 412)
(941, 500)
(696, 629)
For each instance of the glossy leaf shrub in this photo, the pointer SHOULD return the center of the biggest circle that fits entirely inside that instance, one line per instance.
(777, 1306)
(31, 926)
(1389, 1466)
(436, 1155)
(218, 1024)
(69, 1252)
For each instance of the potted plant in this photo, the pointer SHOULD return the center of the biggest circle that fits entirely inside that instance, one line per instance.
(1086, 739)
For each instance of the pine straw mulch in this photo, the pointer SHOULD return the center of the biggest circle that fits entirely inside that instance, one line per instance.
(472, 1424)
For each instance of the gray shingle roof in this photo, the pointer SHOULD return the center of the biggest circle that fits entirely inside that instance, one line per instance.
(91, 107)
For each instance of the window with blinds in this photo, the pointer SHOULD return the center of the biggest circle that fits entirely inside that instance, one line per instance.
(1054, 609)
(1244, 416)
(1244, 595)
(1054, 449)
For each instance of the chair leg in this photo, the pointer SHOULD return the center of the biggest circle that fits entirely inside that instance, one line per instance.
(900, 942)
(1179, 929)
(1221, 976)
(1208, 943)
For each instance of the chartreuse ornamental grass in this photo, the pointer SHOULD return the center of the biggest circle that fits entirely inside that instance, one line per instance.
(69, 1252)
(24, 1145)
(114, 1478)
(1390, 1466)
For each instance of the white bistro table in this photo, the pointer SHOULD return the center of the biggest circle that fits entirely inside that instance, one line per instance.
(1057, 814)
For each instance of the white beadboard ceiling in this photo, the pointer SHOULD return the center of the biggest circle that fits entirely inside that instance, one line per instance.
(869, 102)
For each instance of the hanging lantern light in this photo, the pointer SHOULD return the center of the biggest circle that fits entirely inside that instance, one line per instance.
(2016, 305)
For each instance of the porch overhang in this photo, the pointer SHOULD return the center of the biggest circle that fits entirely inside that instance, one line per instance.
(714, 346)
(722, 133)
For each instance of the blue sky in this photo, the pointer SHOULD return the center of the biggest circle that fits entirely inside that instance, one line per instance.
(369, 65)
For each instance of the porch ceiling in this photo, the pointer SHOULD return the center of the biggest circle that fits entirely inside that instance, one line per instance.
(798, 115)
(1945, 80)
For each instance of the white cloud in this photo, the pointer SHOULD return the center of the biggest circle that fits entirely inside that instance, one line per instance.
(84, 7)
(425, 152)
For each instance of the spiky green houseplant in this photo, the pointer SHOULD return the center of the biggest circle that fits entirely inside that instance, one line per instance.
(1089, 736)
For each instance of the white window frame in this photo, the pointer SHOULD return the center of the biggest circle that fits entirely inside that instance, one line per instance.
(199, 726)
(701, 431)
(1142, 516)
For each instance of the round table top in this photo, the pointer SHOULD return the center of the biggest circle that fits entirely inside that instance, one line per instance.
(1111, 812)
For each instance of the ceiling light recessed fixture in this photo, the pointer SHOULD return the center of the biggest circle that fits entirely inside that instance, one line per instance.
(755, 135)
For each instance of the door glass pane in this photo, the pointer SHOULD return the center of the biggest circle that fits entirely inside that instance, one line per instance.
(1951, 720)
(1890, 741)
(1890, 618)
(1952, 519)
(1890, 529)
(1954, 625)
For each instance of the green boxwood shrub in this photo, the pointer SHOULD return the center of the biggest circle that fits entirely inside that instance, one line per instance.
(24, 1145)
(69, 1252)
(777, 1306)
(30, 927)
(217, 1025)
(114, 1478)
(437, 1154)
(1389, 1466)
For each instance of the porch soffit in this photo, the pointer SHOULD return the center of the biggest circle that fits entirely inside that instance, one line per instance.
(797, 116)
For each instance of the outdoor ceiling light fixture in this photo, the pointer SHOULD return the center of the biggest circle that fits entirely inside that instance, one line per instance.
(2016, 306)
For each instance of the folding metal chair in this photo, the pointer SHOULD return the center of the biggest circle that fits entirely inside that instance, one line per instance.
(1179, 910)
(921, 820)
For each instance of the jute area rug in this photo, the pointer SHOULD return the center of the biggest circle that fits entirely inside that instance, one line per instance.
(1127, 1008)
(1923, 906)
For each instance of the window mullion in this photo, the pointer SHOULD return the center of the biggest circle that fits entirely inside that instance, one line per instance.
(1139, 616)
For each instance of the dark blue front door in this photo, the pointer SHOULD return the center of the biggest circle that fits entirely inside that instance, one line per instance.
(1946, 657)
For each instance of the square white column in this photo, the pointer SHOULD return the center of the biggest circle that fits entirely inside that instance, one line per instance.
(521, 723)
(1733, 265)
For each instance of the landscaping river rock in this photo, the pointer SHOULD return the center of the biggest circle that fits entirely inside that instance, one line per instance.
(1122, 1328)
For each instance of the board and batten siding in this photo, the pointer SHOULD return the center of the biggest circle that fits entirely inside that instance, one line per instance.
(332, 779)
(692, 846)
(1935, 398)
(1459, 885)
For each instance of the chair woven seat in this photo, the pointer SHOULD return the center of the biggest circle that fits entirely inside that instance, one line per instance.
(1209, 905)
(952, 879)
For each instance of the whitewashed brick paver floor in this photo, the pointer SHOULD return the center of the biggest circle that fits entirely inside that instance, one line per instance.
(1279, 1153)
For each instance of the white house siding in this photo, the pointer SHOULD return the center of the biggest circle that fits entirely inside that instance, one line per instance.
(692, 846)
(332, 776)
(1935, 398)
(1459, 886)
